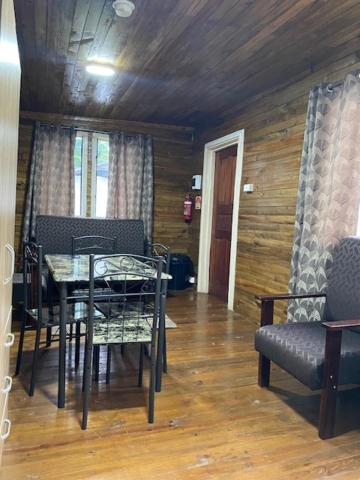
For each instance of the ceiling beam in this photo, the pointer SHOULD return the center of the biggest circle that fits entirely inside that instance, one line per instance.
(156, 129)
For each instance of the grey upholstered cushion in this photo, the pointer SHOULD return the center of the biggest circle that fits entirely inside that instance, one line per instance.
(343, 290)
(299, 349)
(54, 233)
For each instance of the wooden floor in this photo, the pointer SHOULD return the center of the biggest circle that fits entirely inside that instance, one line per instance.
(212, 420)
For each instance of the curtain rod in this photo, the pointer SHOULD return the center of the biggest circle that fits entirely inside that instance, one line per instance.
(331, 85)
(87, 130)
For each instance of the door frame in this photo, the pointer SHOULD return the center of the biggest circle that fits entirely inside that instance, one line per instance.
(210, 149)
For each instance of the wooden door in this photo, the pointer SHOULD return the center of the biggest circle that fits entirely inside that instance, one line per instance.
(225, 167)
(9, 125)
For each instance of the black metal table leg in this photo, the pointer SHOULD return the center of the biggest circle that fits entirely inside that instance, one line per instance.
(62, 346)
(160, 345)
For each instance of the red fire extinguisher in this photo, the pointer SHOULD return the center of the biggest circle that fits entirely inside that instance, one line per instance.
(188, 206)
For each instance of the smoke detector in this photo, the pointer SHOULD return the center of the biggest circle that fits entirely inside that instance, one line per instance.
(123, 8)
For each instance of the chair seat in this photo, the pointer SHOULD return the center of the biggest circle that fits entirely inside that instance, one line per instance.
(299, 349)
(76, 312)
(123, 330)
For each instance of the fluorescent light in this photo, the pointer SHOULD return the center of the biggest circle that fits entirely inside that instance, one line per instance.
(103, 70)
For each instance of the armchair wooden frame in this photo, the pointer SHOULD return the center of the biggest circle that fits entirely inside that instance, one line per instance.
(331, 359)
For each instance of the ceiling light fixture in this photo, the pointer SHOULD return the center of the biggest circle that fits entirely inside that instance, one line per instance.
(103, 70)
(123, 8)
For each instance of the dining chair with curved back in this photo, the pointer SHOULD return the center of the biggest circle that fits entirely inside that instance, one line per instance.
(128, 316)
(86, 245)
(37, 315)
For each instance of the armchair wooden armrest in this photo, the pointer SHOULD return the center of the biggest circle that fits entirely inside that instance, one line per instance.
(267, 303)
(341, 324)
(287, 296)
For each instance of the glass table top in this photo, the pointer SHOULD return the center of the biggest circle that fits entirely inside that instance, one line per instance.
(75, 268)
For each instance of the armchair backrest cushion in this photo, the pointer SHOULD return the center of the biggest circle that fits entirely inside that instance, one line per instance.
(343, 291)
(55, 233)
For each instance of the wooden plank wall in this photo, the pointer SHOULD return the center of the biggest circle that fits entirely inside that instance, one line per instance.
(274, 128)
(173, 170)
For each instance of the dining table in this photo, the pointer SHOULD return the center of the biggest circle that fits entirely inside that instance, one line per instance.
(67, 270)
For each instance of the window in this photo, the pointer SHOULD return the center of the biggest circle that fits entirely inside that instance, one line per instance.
(91, 167)
(100, 175)
(80, 167)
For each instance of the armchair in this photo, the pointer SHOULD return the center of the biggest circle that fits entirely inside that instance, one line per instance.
(321, 354)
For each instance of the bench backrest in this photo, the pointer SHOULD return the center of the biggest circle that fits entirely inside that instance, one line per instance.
(55, 233)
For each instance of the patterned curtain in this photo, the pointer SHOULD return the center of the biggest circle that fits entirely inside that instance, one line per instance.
(51, 181)
(329, 190)
(130, 191)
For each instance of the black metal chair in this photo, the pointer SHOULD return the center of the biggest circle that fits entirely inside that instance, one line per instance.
(86, 245)
(37, 315)
(129, 317)
(321, 354)
(158, 251)
(30, 280)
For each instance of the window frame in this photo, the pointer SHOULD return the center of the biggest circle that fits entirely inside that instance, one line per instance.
(84, 172)
(94, 153)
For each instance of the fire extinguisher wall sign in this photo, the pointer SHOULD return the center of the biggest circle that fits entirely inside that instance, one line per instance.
(188, 207)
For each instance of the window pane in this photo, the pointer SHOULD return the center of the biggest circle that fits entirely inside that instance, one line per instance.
(78, 160)
(102, 174)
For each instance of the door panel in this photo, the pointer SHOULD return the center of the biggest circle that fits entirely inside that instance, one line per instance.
(5, 423)
(5, 343)
(225, 166)
(9, 123)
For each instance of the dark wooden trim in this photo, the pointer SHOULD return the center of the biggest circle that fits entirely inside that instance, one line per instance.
(263, 371)
(104, 123)
(288, 296)
(330, 384)
(264, 366)
(341, 324)
(267, 312)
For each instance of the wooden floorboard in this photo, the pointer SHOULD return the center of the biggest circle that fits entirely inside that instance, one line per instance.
(212, 420)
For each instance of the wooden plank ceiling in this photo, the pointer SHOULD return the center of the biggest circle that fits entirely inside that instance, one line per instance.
(186, 62)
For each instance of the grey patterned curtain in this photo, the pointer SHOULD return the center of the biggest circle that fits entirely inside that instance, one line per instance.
(130, 190)
(329, 190)
(51, 180)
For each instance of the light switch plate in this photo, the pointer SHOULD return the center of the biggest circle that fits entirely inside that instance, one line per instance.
(248, 187)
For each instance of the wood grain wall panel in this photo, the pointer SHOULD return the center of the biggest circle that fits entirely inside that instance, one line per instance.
(174, 167)
(274, 128)
(184, 62)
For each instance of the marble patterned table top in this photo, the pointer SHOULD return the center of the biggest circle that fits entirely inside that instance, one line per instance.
(75, 268)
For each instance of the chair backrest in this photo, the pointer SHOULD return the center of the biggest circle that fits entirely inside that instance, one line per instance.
(343, 291)
(95, 244)
(158, 250)
(32, 277)
(163, 251)
(129, 314)
(55, 233)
